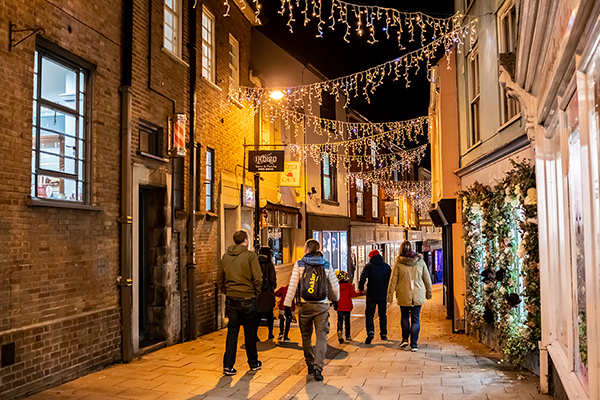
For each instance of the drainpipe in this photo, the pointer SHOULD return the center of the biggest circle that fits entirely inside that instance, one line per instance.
(126, 219)
(191, 257)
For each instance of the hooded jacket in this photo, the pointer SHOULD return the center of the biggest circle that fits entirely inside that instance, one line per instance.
(347, 292)
(333, 293)
(266, 298)
(407, 269)
(239, 273)
(377, 276)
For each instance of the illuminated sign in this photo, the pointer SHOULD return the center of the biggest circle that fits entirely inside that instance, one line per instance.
(291, 174)
(266, 160)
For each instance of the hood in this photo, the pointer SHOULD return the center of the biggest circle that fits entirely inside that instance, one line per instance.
(313, 259)
(236, 249)
(263, 259)
(410, 261)
(377, 260)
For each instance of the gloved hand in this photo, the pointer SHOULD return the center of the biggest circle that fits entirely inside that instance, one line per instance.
(288, 313)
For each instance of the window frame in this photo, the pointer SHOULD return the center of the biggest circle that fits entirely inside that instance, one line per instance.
(328, 106)
(474, 96)
(208, 74)
(332, 176)
(507, 42)
(360, 198)
(198, 182)
(176, 13)
(209, 183)
(234, 81)
(179, 183)
(158, 131)
(82, 114)
(374, 200)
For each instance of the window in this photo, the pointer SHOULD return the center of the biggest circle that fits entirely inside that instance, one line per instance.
(60, 141)
(150, 139)
(208, 46)
(507, 43)
(210, 180)
(328, 106)
(198, 178)
(234, 62)
(178, 184)
(360, 198)
(375, 200)
(474, 94)
(373, 153)
(329, 179)
(172, 27)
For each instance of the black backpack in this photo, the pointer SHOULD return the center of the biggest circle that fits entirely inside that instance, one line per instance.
(313, 283)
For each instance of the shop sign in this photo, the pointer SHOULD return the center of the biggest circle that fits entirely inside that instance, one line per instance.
(248, 196)
(266, 161)
(415, 236)
(291, 174)
(177, 136)
(390, 209)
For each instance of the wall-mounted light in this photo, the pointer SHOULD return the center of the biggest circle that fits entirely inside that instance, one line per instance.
(276, 95)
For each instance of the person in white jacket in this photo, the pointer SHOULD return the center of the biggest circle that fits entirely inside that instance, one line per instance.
(313, 312)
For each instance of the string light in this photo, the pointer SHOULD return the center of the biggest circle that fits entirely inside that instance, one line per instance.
(370, 19)
(361, 83)
(257, 7)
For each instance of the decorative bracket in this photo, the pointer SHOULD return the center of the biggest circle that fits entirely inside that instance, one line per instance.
(12, 42)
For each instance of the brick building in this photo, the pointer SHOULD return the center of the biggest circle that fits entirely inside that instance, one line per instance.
(111, 226)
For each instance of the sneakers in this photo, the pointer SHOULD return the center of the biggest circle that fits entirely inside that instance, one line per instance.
(286, 340)
(370, 338)
(403, 344)
(280, 337)
(383, 337)
(348, 338)
(229, 371)
(414, 349)
(256, 367)
(318, 375)
(311, 369)
(340, 338)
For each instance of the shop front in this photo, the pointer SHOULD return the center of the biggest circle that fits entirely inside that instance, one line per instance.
(332, 233)
(280, 225)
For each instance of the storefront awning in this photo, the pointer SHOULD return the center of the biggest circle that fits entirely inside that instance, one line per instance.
(281, 208)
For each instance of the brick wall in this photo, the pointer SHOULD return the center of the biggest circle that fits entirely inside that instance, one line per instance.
(58, 297)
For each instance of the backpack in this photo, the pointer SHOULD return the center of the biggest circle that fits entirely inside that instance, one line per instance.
(313, 283)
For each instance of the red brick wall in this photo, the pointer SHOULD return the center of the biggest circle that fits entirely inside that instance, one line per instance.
(59, 302)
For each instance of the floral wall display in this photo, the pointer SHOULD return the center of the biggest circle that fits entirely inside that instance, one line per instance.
(502, 260)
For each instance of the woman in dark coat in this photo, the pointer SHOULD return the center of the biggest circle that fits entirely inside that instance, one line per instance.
(266, 299)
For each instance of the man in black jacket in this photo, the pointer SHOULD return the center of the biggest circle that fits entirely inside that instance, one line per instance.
(377, 275)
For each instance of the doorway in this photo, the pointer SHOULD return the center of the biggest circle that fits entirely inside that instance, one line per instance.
(152, 287)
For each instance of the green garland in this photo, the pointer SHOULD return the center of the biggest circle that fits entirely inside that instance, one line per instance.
(507, 276)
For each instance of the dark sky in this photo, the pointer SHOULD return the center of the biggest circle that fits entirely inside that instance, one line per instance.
(334, 57)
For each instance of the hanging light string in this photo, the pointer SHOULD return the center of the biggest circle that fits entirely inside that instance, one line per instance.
(369, 19)
(362, 83)
(257, 8)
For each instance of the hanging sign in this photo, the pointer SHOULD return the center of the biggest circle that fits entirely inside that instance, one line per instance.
(266, 161)
(248, 196)
(178, 133)
(390, 209)
(291, 174)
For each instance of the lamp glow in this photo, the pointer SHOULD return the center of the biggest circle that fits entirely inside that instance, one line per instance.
(276, 95)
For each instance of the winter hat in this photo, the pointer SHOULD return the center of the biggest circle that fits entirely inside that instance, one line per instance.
(341, 275)
(373, 253)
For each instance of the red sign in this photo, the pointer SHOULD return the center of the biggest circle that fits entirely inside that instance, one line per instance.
(179, 136)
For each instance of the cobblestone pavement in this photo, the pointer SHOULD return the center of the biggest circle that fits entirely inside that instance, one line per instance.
(446, 367)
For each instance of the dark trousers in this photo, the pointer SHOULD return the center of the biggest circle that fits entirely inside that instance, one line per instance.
(269, 317)
(343, 316)
(314, 315)
(284, 326)
(241, 312)
(410, 323)
(370, 315)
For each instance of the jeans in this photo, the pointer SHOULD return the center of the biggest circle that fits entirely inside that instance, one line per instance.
(241, 312)
(370, 315)
(343, 316)
(269, 317)
(409, 321)
(316, 314)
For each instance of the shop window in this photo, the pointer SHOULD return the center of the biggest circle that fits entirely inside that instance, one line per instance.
(178, 175)
(375, 200)
(507, 43)
(172, 26)
(150, 139)
(328, 178)
(209, 184)
(360, 198)
(474, 95)
(208, 45)
(60, 140)
(234, 62)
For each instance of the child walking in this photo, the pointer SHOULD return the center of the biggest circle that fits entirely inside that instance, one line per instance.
(284, 320)
(344, 304)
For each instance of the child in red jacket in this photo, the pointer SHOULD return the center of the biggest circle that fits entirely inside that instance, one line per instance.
(284, 319)
(344, 304)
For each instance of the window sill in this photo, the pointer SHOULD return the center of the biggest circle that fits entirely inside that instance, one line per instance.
(330, 202)
(211, 84)
(208, 215)
(35, 202)
(474, 146)
(234, 101)
(153, 157)
(509, 122)
(175, 57)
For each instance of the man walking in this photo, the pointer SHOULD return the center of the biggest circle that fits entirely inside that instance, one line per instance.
(315, 280)
(377, 276)
(240, 279)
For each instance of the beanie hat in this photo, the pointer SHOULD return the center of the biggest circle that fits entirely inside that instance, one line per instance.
(373, 253)
(341, 275)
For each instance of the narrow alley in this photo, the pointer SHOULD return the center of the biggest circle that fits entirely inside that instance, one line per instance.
(446, 367)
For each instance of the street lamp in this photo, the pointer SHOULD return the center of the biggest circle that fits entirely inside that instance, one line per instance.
(276, 95)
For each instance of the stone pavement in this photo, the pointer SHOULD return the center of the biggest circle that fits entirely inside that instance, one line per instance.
(446, 367)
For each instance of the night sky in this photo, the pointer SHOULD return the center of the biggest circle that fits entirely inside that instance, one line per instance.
(334, 57)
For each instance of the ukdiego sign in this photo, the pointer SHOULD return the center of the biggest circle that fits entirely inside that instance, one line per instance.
(266, 160)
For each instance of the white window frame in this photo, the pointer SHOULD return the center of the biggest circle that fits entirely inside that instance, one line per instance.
(360, 198)
(375, 200)
(507, 41)
(474, 97)
(234, 62)
(175, 13)
(209, 183)
(208, 45)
